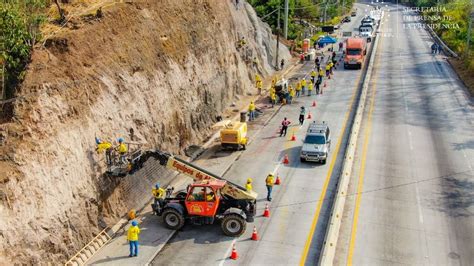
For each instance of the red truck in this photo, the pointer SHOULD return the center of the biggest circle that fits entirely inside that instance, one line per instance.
(356, 49)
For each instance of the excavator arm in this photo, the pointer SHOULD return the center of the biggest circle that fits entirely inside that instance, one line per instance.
(195, 172)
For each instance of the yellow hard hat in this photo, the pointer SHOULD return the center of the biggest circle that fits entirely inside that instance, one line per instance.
(270, 174)
(249, 180)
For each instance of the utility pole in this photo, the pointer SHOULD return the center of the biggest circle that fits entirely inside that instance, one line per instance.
(286, 20)
(278, 37)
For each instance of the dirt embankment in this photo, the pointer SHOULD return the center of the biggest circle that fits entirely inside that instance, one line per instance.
(164, 68)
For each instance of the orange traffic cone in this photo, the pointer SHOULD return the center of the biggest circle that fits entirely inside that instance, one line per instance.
(286, 160)
(254, 234)
(277, 181)
(314, 104)
(234, 254)
(309, 115)
(293, 137)
(266, 213)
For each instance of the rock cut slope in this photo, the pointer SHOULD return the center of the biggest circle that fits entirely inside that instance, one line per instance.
(163, 69)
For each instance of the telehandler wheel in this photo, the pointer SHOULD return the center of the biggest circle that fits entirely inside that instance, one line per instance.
(233, 225)
(173, 219)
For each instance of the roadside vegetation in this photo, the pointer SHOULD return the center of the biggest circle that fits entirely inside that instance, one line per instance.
(451, 22)
(305, 16)
(19, 26)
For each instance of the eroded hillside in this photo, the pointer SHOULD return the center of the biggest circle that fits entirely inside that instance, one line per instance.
(163, 69)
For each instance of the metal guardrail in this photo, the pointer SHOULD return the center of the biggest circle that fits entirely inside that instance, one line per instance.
(89, 250)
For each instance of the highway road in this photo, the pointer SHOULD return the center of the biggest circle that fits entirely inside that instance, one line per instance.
(294, 232)
(412, 189)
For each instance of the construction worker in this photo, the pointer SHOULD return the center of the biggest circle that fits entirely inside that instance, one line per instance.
(273, 98)
(248, 186)
(282, 64)
(158, 193)
(320, 75)
(122, 150)
(284, 126)
(210, 196)
(257, 78)
(310, 88)
(104, 146)
(251, 111)
(313, 76)
(303, 86)
(269, 182)
(316, 62)
(302, 113)
(259, 87)
(132, 237)
(331, 66)
(318, 83)
(298, 89)
(291, 94)
(328, 69)
(255, 62)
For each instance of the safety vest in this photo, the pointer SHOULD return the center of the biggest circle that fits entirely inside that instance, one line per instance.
(292, 92)
(252, 107)
(298, 86)
(328, 67)
(122, 148)
(303, 83)
(132, 234)
(248, 187)
(269, 180)
(310, 86)
(158, 193)
(321, 73)
(103, 146)
(313, 74)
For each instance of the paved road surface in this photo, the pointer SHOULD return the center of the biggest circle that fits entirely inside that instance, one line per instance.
(414, 178)
(284, 236)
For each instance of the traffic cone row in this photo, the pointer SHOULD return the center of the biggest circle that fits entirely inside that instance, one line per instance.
(309, 115)
(285, 159)
(266, 213)
(293, 137)
(314, 104)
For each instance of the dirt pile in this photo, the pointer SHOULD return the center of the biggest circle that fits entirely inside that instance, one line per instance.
(162, 69)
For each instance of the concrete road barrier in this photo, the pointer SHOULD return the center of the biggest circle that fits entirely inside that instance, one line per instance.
(332, 233)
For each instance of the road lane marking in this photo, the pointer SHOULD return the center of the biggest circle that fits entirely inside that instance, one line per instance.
(363, 159)
(328, 177)
(418, 201)
(361, 175)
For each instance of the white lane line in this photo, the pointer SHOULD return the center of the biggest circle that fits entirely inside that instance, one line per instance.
(229, 250)
(276, 168)
(420, 214)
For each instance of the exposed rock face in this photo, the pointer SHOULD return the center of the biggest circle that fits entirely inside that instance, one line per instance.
(163, 68)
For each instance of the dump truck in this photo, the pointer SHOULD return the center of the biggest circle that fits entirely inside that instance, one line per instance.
(234, 135)
(208, 200)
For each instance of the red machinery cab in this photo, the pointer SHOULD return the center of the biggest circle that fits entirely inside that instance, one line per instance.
(203, 198)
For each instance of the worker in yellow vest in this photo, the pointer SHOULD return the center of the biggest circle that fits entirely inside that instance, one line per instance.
(132, 237)
(291, 93)
(298, 89)
(122, 150)
(313, 76)
(251, 111)
(259, 87)
(104, 146)
(269, 183)
(310, 88)
(303, 86)
(248, 185)
(273, 99)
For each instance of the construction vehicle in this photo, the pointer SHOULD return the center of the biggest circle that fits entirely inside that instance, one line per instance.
(234, 135)
(210, 199)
